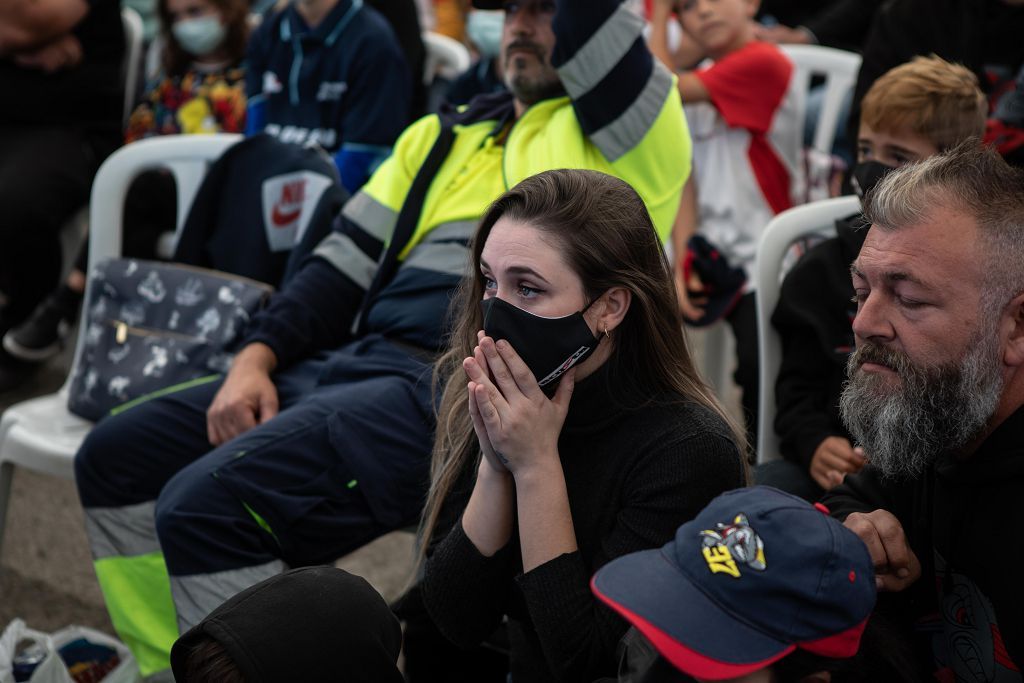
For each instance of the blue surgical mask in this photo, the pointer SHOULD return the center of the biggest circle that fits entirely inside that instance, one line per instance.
(484, 28)
(199, 36)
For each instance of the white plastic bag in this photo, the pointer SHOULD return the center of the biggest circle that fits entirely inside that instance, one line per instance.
(52, 669)
(127, 671)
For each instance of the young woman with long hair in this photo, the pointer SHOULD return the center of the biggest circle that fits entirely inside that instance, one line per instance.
(572, 427)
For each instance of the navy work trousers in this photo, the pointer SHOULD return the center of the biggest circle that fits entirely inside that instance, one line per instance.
(345, 460)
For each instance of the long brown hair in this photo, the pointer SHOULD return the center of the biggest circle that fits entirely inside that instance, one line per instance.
(607, 238)
(234, 14)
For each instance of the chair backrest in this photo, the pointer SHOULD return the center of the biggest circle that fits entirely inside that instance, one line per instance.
(186, 157)
(783, 230)
(132, 23)
(446, 57)
(839, 69)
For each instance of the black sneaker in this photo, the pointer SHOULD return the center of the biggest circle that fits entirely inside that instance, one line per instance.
(41, 336)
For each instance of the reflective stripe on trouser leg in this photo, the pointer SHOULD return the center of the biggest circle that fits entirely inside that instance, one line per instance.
(197, 595)
(134, 581)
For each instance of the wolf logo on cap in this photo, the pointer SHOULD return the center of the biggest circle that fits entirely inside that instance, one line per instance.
(728, 544)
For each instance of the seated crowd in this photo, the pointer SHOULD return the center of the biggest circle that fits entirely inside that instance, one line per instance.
(491, 340)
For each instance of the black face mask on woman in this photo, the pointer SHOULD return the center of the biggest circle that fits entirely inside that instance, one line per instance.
(548, 346)
(867, 174)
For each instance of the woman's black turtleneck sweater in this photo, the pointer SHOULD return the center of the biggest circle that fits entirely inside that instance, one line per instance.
(633, 476)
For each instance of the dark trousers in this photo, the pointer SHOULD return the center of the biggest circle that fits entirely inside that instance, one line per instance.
(789, 477)
(743, 322)
(45, 176)
(345, 461)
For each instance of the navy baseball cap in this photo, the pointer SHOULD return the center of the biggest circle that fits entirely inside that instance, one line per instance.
(757, 574)
(489, 4)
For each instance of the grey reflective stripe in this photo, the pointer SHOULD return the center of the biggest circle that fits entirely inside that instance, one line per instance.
(343, 254)
(601, 52)
(371, 216)
(122, 532)
(450, 258)
(196, 595)
(456, 230)
(626, 132)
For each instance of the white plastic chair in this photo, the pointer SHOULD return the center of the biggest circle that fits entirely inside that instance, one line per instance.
(40, 433)
(839, 69)
(816, 218)
(132, 23)
(446, 57)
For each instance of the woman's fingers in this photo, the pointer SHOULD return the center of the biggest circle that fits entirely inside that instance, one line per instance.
(521, 374)
(474, 411)
(563, 394)
(487, 410)
(477, 370)
(477, 375)
(500, 371)
(478, 355)
(486, 447)
(478, 422)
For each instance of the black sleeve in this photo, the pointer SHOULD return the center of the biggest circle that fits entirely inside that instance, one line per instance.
(465, 592)
(201, 221)
(866, 491)
(405, 22)
(844, 24)
(791, 12)
(804, 393)
(902, 29)
(668, 487)
(256, 56)
(313, 312)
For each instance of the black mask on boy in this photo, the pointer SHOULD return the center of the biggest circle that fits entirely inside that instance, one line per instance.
(548, 346)
(867, 174)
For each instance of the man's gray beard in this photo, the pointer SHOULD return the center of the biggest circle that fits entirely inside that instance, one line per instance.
(933, 409)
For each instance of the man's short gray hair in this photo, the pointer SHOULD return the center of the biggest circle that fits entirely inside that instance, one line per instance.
(975, 180)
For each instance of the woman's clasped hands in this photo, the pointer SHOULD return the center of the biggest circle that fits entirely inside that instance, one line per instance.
(516, 423)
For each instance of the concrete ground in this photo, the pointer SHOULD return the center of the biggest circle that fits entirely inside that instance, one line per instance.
(46, 575)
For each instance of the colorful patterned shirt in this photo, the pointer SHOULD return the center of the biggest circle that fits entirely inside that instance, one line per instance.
(198, 102)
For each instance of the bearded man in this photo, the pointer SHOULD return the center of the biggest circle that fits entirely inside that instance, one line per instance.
(935, 396)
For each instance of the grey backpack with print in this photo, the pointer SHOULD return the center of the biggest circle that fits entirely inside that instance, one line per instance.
(155, 327)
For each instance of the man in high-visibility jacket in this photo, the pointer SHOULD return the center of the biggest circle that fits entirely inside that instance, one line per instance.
(317, 453)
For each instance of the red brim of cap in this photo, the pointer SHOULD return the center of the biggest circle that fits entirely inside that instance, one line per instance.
(685, 659)
(641, 585)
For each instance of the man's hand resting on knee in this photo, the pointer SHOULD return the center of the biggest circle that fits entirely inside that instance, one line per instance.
(247, 398)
